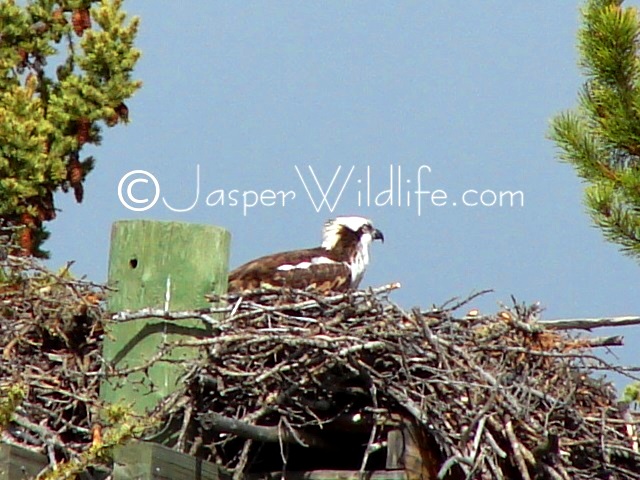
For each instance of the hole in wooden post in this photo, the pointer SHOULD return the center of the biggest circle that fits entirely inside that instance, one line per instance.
(133, 263)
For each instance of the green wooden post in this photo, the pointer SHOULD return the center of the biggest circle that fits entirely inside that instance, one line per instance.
(151, 264)
(149, 461)
(19, 463)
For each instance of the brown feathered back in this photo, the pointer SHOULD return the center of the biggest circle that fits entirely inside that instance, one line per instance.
(336, 266)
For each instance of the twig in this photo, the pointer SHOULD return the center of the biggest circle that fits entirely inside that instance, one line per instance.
(182, 436)
(219, 423)
(238, 473)
(451, 462)
(589, 323)
(372, 436)
(517, 451)
(461, 303)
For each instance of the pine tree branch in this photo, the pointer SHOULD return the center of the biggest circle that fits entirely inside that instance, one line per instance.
(601, 137)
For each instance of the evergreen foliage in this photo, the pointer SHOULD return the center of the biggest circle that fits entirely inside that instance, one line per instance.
(601, 137)
(65, 70)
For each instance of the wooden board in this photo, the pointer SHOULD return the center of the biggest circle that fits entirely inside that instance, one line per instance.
(18, 463)
(150, 461)
(149, 262)
(409, 449)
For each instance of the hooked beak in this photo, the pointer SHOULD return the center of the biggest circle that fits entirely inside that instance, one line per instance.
(377, 235)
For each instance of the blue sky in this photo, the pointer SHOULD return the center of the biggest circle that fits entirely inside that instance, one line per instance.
(248, 91)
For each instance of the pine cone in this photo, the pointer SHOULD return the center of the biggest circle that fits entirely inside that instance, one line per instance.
(123, 112)
(83, 132)
(24, 56)
(78, 192)
(76, 20)
(26, 241)
(27, 219)
(81, 20)
(75, 175)
(46, 209)
(74, 171)
(86, 18)
(43, 214)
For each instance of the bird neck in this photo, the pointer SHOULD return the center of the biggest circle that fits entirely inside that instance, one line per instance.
(359, 260)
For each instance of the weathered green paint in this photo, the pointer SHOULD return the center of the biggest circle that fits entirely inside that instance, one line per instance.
(150, 461)
(146, 258)
(18, 463)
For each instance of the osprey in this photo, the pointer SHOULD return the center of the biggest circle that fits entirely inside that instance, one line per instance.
(337, 265)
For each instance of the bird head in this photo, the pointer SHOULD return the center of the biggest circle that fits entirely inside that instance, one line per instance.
(342, 232)
(349, 239)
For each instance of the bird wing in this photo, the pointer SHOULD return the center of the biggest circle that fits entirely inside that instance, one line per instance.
(311, 268)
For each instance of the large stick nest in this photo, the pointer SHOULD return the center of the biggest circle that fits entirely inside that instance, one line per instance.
(494, 396)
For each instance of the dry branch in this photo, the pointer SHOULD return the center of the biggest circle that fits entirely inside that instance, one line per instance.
(589, 323)
(221, 424)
